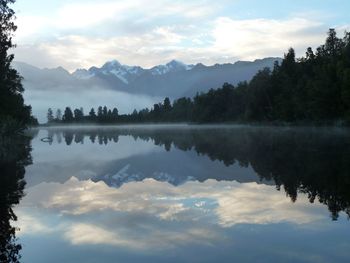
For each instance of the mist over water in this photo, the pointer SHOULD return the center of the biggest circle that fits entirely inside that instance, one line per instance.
(88, 98)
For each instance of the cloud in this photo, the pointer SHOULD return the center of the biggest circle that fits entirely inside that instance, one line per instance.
(76, 16)
(223, 40)
(146, 33)
(81, 15)
(256, 38)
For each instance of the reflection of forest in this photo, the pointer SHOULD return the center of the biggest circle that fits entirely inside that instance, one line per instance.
(310, 161)
(14, 156)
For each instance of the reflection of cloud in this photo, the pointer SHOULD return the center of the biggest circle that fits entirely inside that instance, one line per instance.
(83, 234)
(31, 225)
(234, 203)
(256, 204)
(80, 234)
(153, 214)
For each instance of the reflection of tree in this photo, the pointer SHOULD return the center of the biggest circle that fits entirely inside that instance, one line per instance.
(314, 162)
(14, 156)
(310, 162)
(68, 137)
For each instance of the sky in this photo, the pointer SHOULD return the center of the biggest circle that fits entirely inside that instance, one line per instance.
(84, 33)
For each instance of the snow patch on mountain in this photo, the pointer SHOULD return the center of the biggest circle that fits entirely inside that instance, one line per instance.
(127, 73)
(120, 75)
(83, 74)
(172, 66)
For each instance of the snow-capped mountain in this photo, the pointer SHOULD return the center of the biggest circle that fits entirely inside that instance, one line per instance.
(83, 74)
(173, 79)
(112, 68)
(126, 73)
(172, 66)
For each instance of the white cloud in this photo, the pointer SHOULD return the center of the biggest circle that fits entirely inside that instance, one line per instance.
(146, 33)
(81, 15)
(224, 40)
(256, 38)
(29, 27)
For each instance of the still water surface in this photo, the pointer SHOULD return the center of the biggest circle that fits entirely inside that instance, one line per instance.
(186, 194)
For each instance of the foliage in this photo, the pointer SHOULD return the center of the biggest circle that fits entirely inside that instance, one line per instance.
(12, 105)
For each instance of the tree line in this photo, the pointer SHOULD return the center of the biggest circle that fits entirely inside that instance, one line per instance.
(102, 115)
(311, 89)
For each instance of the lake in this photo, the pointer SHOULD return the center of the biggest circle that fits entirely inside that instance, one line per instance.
(176, 193)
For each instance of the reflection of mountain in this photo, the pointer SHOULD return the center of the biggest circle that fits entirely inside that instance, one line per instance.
(165, 168)
(14, 155)
(117, 165)
(301, 160)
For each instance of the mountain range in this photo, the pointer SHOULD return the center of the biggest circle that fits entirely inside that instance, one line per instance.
(174, 79)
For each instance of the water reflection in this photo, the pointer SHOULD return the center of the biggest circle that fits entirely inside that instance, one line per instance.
(186, 194)
(14, 156)
(315, 162)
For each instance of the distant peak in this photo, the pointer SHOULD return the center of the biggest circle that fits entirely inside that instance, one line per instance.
(175, 62)
(112, 63)
(59, 69)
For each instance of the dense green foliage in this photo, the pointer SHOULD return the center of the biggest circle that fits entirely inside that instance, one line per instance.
(13, 111)
(312, 89)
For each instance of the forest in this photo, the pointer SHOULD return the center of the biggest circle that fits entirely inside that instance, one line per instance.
(311, 89)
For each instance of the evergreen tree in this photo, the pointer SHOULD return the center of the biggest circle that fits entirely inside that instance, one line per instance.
(115, 114)
(50, 117)
(104, 111)
(92, 115)
(68, 115)
(12, 105)
(58, 115)
(166, 105)
(99, 112)
(78, 115)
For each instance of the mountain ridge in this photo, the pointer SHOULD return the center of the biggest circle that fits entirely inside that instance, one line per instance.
(173, 79)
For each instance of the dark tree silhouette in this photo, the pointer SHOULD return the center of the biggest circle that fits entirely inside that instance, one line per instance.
(14, 156)
(58, 115)
(68, 115)
(50, 117)
(92, 115)
(78, 115)
(12, 107)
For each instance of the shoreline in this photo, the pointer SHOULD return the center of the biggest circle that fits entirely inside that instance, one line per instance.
(326, 124)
